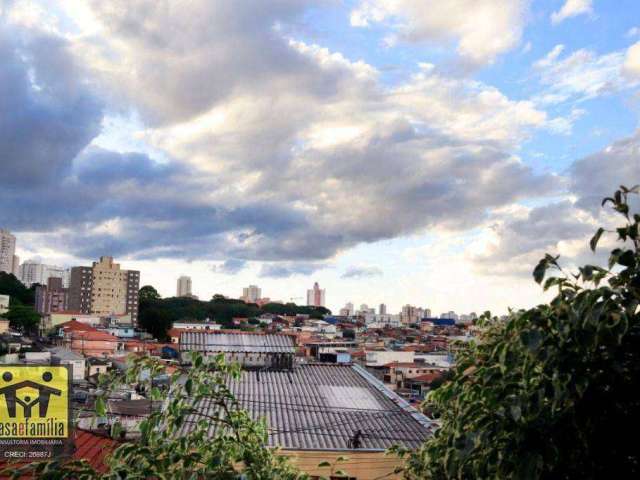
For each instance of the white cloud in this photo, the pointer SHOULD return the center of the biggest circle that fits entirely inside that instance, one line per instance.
(632, 61)
(482, 29)
(580, 75)
(572, 8)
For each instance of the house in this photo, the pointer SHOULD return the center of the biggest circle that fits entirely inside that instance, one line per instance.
(5, 300)
(64, 356)
(319, 411)
(379, 358)
(249, 349)
(419, 386)
(96, 366)
(397, 373)
(87, 340)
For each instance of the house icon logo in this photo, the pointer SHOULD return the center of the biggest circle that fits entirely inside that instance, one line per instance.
(34, 402)
(27, 402)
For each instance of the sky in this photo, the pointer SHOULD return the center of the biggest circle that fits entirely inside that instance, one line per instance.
(395, 151)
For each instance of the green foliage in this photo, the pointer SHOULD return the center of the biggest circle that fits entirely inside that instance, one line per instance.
(10, 285)
(237, 449)
(552, 393)
(23, 318)
(148, 293)
(157, 314)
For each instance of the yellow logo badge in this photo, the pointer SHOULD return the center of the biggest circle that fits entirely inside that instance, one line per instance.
(34, 402)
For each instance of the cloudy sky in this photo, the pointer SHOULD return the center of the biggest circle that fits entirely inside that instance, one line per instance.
(396, 151)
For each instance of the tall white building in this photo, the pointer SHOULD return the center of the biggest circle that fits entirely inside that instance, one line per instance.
(31, 272)
(184, 286)
(8, 258)
(315, 296)
(251, 294)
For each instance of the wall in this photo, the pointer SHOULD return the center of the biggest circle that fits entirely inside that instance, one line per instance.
(360, 465)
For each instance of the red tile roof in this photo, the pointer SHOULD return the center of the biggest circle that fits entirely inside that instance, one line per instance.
(76, 326)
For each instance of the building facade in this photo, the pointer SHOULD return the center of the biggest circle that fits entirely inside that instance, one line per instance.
(104, 289)
(184, 287)
(52, 297)
(31, 273)
(8, 257)
(316, 296)
(251, 294)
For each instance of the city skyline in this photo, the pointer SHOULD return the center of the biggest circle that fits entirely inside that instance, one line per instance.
(392, 154)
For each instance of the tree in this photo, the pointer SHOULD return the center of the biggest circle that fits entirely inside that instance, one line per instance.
(22, 318)
(148, 293)
(10, 285)
(552, 393)
(156, 321)
(236, 450)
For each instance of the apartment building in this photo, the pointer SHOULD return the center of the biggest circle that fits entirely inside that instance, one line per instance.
(105, 289)
(52, 297)
(9, 262)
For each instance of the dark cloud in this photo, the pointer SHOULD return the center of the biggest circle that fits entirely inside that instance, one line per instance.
(230, 266)
(49, 113)
(597, 176)
(361, 272)
(257, 185)
(565, 227)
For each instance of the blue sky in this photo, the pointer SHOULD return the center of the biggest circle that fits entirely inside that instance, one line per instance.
(396, 151)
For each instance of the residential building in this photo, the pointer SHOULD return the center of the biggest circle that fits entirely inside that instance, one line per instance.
(105, 289)
(54, 319)
(379, 358)
(383, 320)
(87, 340)
(411, 314)
(52, 297)
(184, 287)
(320, 411)
(316, 296)
(251, 294)
(4, 304)
(382, 310)
(7, 252)
(64, 356)
(34, 272)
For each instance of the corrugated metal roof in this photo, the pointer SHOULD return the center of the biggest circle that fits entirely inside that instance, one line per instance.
(320, 407)
(235, 342)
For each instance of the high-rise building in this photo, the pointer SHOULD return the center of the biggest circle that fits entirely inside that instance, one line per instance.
(32, 272)
(8, 256)
(315, 296)
(382, 309)
(251, 294)
(52, 297)
(184, 286)
(104, 289)
(411, 314)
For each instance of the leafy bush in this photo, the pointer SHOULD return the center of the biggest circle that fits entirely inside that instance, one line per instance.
(553, 392)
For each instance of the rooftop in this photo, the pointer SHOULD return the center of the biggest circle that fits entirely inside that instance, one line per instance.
(321, 407)
(236, 342)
